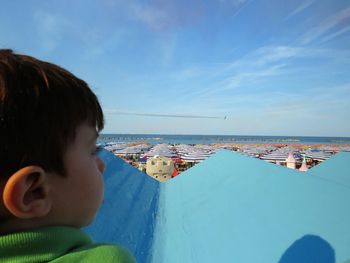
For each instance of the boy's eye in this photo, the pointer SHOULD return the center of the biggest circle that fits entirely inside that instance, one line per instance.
(96, 150)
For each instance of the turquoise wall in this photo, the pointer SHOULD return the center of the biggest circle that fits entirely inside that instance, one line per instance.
(229, 208)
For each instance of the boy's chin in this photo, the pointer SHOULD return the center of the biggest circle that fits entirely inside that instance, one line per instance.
(87, 222)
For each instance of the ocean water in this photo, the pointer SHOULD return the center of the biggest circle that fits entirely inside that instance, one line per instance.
(208, 139)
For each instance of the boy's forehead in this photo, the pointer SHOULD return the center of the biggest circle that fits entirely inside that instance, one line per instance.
(87, 132)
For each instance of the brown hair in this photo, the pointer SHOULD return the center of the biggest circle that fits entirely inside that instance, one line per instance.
(41, 105)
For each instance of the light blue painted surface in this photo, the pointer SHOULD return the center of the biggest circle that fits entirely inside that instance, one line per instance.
(128, 213)
(336, 168)
(229, 208)
(233, 208)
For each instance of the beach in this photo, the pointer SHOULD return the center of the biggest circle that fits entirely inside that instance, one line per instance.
(185, 156)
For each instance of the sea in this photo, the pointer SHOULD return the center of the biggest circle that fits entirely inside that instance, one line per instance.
(209, 139)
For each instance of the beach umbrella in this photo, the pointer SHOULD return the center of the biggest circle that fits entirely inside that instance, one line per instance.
(177, 160)
(290, 161)
(114, 146)
(256, 151)
(143, 159)
(344, 148)
(195, 156)
(303, 167)
(129, 151)
(318, 155)
(275, 156)
(163, 150)
(175, 173)
(193, 159)
(168, 154)
(281, 154)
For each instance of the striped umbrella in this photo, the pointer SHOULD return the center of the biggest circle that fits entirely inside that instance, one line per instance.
(280, 155)
(318, 155)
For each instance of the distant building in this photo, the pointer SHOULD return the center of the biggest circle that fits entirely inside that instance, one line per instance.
(160, 168)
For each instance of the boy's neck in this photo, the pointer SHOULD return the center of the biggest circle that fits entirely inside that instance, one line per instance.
(10, 225)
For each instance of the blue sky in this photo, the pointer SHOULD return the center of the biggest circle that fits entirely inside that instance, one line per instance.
(272, 67)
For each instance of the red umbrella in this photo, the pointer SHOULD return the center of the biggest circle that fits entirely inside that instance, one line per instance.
(175, 173)
(177, 160)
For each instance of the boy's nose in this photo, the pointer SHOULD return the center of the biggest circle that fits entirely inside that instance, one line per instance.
(100, 165)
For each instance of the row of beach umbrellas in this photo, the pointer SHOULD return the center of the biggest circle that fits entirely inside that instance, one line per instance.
(198, 153)
(163, 150)
(189, 153)
(281, 154)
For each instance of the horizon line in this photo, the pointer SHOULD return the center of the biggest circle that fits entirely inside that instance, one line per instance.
(320, 136)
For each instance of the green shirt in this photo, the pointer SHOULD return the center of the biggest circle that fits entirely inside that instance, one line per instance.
(58, 244)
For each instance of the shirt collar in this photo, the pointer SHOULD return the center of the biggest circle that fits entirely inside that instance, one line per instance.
(42, 244)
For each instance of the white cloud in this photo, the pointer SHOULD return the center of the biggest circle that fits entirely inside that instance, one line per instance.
(242, 79)
(267, 55)
(315, 101)
(238, 87)
(300, 8)
(336, 34)
(316, 111)
(164, 15)
(154, 17)
(340, 19)
(265, 62)
(235, 6)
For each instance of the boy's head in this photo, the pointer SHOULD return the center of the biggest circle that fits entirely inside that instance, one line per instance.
(46, 116)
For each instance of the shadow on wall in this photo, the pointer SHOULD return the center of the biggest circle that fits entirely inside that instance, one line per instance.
(128, 213)
(309, 249)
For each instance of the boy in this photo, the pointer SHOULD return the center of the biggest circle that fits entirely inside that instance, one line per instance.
(51, 181)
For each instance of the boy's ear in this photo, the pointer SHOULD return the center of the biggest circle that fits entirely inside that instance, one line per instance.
(26, 193)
